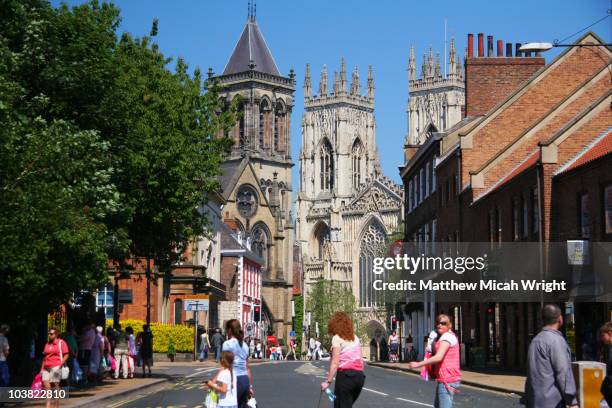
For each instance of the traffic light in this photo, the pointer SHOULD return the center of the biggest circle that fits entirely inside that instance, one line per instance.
(399, 312)
(257, 314)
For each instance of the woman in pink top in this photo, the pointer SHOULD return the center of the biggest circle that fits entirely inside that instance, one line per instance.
(346, 361)
(446, 361)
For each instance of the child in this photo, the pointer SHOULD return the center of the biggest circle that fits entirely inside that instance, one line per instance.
(225, 382)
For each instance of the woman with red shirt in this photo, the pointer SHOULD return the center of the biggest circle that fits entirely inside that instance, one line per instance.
(446, 361)
(346, 361)
(55, 356)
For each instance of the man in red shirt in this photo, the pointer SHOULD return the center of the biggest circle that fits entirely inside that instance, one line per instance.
(55, 356)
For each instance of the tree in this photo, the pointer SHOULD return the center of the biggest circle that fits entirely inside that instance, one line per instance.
(325, 299)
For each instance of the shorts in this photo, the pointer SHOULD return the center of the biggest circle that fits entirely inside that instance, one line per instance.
(52, 375)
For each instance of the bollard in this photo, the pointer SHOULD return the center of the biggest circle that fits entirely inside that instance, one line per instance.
(588, 376)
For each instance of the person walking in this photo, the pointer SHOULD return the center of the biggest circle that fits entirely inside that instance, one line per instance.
(97, 353)
(146, 349)
(317, 349)
(258, 347)
(394, 343)
(550, 381)
(217, 342)
(4, 352)
(55, 355)
(346, 364)
(235, 343)
(86, 342)
(311, 348)
(446, 361)
(132, 353)
(121, 353)
(225, 382)
(605, 335)
(291, 349)
(204, 345)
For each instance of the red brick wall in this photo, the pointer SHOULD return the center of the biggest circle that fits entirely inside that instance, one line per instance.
(488, 81)
(448, 212)
(138, 308)
(228, 271)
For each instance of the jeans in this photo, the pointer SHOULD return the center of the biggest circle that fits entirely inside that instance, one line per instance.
(243, 386)
(444, 396)
(4, 374)
(348, 387)
(217, 353)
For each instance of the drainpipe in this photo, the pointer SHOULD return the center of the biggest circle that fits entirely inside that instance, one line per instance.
(541, 226)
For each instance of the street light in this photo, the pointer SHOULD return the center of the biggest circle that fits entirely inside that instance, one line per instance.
(543, 46)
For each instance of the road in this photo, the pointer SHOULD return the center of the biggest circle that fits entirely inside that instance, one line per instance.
(296, 384)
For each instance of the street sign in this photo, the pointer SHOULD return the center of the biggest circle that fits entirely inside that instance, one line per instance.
(195, 305)
(125, 296)
(291, 333)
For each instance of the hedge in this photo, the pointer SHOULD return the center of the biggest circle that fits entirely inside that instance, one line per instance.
(181, 335)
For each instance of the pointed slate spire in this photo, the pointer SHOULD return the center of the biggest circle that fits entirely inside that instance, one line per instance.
(342, 77)
(251, 48)
(411, 66)
(323, 82)
(355, 82)
(307, 84)
(370, 83)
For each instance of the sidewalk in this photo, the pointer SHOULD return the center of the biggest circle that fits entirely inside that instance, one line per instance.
(94, 395)
(490, 380)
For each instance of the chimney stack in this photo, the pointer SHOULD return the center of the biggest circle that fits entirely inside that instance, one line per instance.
(489, 46)
(470, 45)
(508, 49)
(480, 44)
(500, 48)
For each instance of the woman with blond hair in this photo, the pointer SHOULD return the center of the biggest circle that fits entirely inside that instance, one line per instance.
(446, 361)
(346, 363)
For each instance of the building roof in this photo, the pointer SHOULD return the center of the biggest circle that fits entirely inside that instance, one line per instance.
(251, 48)
(530, 161)
(599, 147)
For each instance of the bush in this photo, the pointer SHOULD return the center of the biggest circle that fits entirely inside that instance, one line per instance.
(163, 334)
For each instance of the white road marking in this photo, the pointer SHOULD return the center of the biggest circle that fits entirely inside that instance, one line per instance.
(200, 372)
(414, 402)
(375, 392)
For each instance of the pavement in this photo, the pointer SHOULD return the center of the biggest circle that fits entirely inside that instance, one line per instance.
(490, 379)
(295, 384)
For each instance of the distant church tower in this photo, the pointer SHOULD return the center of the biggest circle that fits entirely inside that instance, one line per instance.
(256, 180)
(434, 99)
(346, 209)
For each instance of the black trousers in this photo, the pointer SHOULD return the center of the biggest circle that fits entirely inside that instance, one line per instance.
(348, 387)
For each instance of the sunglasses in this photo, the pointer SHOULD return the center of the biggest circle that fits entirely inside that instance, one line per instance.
(52, 333)
(443, 323)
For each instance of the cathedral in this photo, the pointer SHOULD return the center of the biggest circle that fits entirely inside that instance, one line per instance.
(256, 181)
(346, 209)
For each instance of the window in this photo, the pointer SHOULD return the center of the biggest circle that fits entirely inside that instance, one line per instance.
(422, 183)
(433, 175)
(323, 238)
(410, 192)
(515, 218)
(242, 136)
(434, 237)
(279, 127)
(535, 208)
(607, 209)
(583, 215)
(456, 183)
(426, 237)
(525, 203)
(417, 190)
(264, 123)
(178, 311)
(448, 190)
(104, 300)
(356, 164)
(427, 178)
(327, 166)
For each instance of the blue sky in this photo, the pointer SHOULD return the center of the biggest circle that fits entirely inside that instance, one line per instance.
(377, 33)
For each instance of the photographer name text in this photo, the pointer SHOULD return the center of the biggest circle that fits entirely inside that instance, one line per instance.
(482, 285)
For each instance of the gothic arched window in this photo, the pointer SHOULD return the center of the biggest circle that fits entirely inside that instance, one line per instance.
(326, 159)
(279, 127)
(260, 243)
(373, 244)
(264, 123)
(356, 154)
(322, 235)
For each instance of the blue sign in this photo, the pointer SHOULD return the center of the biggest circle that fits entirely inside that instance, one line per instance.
(303, 328)
(291, 333)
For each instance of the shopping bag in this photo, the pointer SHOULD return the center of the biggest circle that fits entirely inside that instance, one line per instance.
(252, 403)
(113, 363)
(77, 373)
(427, 372)
(37, 383)
(212, 399)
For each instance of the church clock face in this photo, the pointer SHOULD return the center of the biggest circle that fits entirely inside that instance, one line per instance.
(246, 201)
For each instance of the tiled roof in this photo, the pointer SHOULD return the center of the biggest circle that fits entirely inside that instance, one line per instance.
(251, 47)
(526, 164)
(601, 146)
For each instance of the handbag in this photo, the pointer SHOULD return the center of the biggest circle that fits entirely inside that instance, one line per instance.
(212, 399)
(65, 370)
(37, 384)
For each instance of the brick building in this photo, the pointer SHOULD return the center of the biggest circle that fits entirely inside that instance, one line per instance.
(531, 162)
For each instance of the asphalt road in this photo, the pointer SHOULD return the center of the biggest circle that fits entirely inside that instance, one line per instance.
(296, 385)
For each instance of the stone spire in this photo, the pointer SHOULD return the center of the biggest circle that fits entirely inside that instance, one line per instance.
(323, 82)
(307, 84)
(452, 60)
(342, 77)
(355, 82)
(437, 72)
(430, 63)
(460, 67)
(424, 67)
(411, 66)
(336, 85)
(370, 83)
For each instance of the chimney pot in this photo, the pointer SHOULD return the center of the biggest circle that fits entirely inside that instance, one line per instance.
(489, 45)
(470, 45)
(517, 52)
(480, 44)
(508, 49)
(500, 48)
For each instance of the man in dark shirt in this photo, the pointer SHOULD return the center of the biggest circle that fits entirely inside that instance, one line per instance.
(217, 342)
(605, 334)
